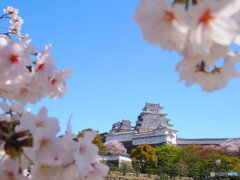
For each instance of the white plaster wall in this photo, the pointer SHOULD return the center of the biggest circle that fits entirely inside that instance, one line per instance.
(161, 132)
(116, 157)
(172, 139)
(123, 158)
(150, 140)
(123, 137)
(209, 142)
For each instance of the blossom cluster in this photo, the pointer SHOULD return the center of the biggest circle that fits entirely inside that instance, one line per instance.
(25, 79)
(25, 74)
(203, 32)
(50, 156)
(114, 147)
(231, 145)
(30, 144)
(15, 21)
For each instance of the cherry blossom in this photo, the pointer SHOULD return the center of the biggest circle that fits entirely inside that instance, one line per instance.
(211, 23)
(57, 85)
(232, 145)
(162, 24)
(30, 144)
(115, 147)
(56, 172)
(43, 128)
(13, 12)
(15, 107)
(202, 33)
(44, 67)
(191, 70)
(14, 59)
(85, 152)
(9, 170)
(99, 170)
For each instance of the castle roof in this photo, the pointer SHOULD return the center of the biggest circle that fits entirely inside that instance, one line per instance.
(149, 105)
(126, 121)
(201, 139)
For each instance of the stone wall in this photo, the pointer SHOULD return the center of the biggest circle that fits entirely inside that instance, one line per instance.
(132, 176)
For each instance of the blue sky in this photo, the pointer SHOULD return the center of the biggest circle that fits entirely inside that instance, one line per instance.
(115, 71)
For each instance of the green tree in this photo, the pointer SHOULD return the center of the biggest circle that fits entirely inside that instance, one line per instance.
(200, 160)
(125, 168)
(98, 141)
(144, 158)
(112, 166)
(168, 159)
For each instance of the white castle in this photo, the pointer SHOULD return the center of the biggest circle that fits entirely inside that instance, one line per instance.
(152, 127)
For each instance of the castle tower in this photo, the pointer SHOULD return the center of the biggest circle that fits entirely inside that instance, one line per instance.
(152, 127)
(124, 125)
(151, 118)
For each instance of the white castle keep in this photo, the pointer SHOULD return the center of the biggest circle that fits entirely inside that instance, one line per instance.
(152, 127)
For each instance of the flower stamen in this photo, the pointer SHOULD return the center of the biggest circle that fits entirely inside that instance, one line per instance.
(13, 58)
(206, 17)
(169, 16)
